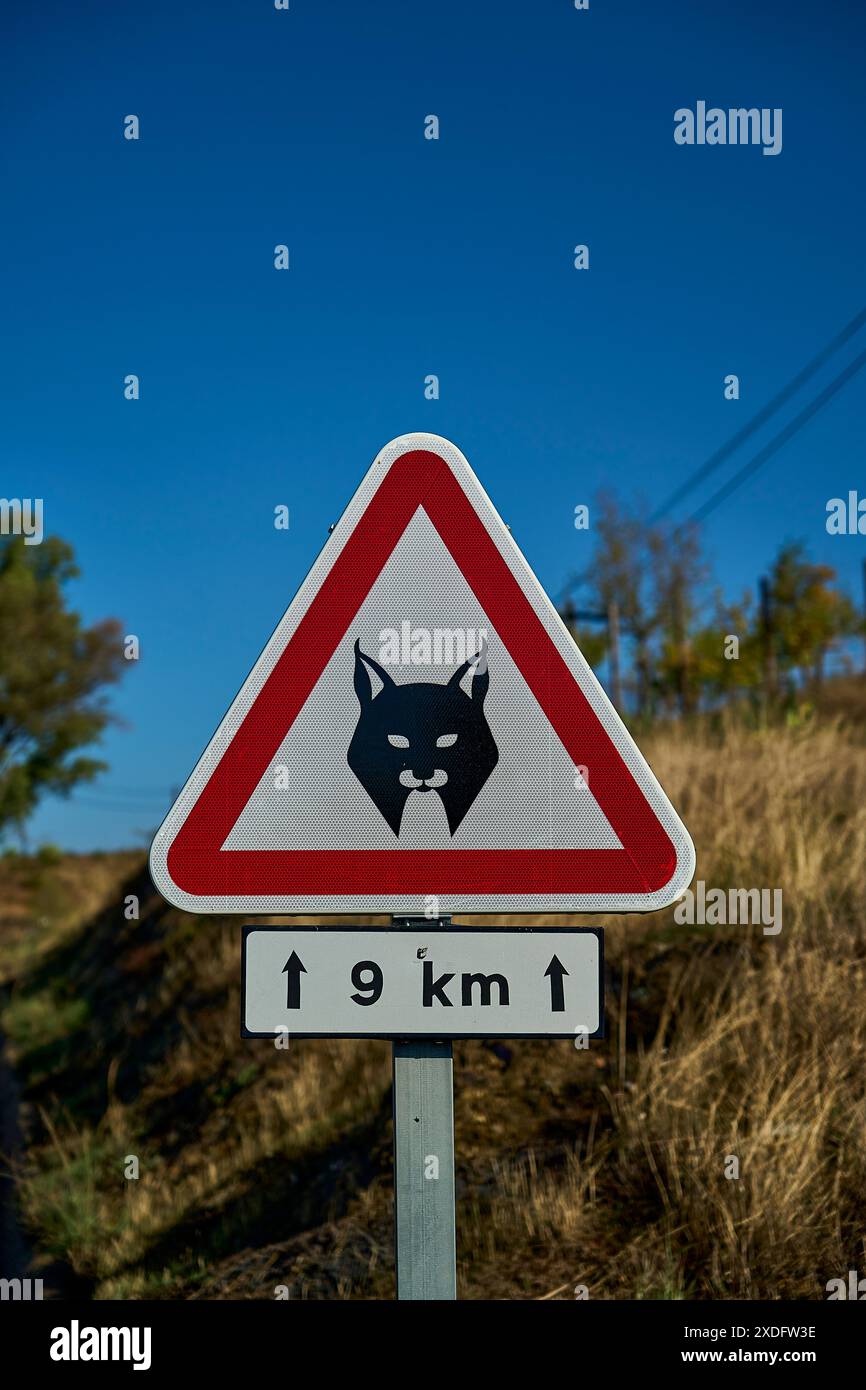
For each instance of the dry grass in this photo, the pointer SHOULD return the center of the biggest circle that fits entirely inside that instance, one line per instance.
(755, 1062)
(610, 1169)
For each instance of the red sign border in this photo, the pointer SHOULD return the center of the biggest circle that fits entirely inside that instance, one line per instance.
(196, 861)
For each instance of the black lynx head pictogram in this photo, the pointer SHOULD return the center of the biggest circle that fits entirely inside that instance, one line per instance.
(423, 737)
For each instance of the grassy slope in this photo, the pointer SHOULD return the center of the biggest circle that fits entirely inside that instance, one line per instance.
(606, 1168)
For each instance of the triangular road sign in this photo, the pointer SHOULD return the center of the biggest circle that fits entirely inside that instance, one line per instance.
(421, 735)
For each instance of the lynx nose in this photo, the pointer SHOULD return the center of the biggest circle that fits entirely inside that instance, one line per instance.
(424, 781)
(434, 780)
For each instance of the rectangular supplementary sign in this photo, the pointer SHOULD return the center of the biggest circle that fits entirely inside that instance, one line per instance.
(418, 982)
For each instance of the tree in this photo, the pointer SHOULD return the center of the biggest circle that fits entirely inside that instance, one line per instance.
(619, 574)
(678, 573)
(652, 574)
(810, 618)
(52, 671)
(723, 672)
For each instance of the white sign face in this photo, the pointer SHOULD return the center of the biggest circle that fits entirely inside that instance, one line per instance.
(414, 982)
(421, 735)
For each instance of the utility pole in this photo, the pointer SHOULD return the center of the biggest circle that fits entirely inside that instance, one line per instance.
(680, 644)
(571, 616)
(613, 635)
(768, 638)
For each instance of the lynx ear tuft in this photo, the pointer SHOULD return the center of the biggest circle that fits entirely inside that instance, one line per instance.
(480, 676)
(362, 682)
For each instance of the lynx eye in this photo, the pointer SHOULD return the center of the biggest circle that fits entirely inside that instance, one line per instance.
(398, 740)
(446, 740)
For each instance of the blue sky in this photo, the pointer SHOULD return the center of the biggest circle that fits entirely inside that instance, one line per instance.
(408, 257)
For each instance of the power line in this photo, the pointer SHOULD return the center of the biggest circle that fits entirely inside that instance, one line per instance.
(108, 795)
(135, 805)
(762, 415)
(778, 440)
(134, 808)
(126, 789)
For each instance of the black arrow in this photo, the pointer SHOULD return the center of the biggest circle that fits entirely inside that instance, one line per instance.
(556, 970)
(294, 967)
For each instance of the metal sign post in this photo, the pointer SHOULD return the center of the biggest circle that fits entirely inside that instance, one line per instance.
(424, 1218)
(425, 1224)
